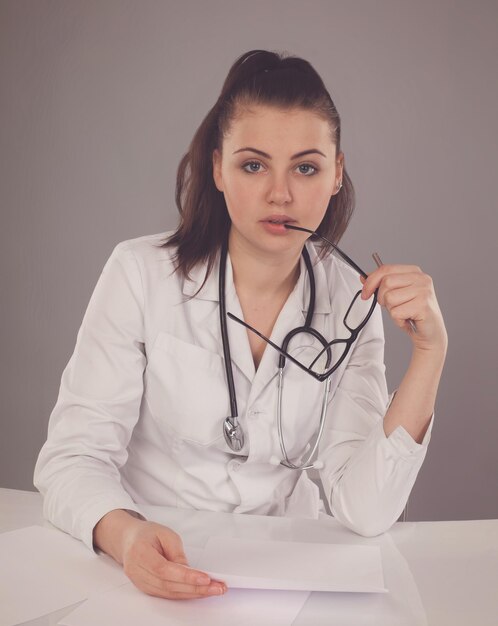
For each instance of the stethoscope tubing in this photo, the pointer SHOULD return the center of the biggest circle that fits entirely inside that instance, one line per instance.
(234, 435)
(307, 464)
(224, 335)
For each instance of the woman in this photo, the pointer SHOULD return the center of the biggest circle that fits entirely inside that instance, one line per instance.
(142, 410)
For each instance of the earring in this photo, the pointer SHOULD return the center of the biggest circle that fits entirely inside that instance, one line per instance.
(339, 185)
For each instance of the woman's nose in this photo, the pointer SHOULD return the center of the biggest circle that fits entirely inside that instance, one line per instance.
(279, 192)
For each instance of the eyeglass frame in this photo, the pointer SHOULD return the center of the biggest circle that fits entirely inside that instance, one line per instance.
(310, 330)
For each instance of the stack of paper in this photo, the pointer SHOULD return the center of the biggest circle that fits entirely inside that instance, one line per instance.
(44, 570)
(290, 565)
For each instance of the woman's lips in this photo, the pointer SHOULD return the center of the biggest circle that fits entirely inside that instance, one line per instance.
(274, 224)
(278, 219)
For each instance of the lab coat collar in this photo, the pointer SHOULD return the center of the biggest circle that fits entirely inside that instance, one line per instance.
(193, 284)
(292, 315)
(210, 290)
(240, 350)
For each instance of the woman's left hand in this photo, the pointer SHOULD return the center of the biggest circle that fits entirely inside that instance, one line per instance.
(408, 293)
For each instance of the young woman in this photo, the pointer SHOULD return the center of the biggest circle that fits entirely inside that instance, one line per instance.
(173, 395)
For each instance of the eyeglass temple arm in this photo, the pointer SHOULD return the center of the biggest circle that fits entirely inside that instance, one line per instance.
(336, 248)
(273, 345)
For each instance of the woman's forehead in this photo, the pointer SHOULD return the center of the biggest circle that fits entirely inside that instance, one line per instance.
(261, 122)
(253, 112)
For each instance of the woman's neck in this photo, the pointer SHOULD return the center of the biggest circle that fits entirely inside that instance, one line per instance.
(261, 275)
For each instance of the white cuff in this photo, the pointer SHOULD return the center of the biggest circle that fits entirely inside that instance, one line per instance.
(401, 439)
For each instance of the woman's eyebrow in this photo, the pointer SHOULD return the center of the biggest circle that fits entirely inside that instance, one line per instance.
(294, 156)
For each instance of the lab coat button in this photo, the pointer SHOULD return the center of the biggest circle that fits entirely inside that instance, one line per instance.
(253, 413)
(178, 445)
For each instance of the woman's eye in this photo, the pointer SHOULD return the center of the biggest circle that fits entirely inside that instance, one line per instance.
(252, 165)
(310, 167)
(305, 168)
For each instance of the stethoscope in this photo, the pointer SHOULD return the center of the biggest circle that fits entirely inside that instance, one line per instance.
(232, 430)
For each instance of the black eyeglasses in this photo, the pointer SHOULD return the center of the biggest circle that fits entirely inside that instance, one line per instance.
(333, 352)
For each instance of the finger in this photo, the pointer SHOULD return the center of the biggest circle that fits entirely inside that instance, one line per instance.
(163, 589)
(404, 312)
(174, 595)
(187, 579)
(214, 589)
(392, 273)
(151, 584)
(157, 565)
(394, 268)
(394, 297)
(171, 545)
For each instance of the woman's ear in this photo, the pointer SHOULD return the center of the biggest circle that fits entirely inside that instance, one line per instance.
(339, 173)
(217, 169)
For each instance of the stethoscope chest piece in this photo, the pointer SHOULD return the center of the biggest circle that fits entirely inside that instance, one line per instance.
(234, 435)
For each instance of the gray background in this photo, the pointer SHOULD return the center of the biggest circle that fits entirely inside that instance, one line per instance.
(100, 99)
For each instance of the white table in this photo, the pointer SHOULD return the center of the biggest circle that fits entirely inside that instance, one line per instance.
(454, 564)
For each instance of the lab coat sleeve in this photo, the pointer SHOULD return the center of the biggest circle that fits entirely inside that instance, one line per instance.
(98, 405)
(367, 476)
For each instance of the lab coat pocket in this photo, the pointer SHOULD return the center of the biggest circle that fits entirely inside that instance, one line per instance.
(185, 389)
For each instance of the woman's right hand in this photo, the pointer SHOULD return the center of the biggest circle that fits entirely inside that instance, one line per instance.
(153, 558)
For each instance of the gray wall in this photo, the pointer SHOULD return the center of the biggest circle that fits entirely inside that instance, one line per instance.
(99, 100)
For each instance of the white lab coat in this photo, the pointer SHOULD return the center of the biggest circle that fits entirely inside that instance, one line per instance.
(143, 398)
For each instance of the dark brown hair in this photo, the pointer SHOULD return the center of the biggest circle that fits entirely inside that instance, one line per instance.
(256, 77)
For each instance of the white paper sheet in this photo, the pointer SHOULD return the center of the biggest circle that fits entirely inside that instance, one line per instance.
(44, 569)
(127, 606)
(401, 606)
(293, 565)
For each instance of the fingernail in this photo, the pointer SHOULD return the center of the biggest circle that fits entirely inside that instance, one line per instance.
(215, 591)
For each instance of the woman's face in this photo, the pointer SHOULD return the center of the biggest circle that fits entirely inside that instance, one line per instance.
(267, 179)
